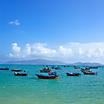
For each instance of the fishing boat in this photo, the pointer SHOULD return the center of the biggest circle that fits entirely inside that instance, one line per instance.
(4, 68)
(73, 74)
(56, 67)
(20, 74)
(51, 75)
(76, 67)
(87, 71)
(47, 77)
(45, 70)
(93, 67)
(16, 70)
(90, 73)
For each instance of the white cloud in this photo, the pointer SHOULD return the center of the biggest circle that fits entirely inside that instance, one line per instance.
(71, 52)
(32, 50)
(42, 50)
(15, 22)
(16, 50)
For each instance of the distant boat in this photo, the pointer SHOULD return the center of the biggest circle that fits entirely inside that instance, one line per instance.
(16, 70)
(66, 65)
(56, 67)
(4, 68)
(93, 67)
(76, 67)
(90, 73)
(20, 74)
(87, 71)
(73, 74)
(45, 70)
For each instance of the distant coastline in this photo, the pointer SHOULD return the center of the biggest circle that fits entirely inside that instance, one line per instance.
(49, 62)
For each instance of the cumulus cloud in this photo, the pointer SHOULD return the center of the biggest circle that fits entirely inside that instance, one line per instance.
(16, 50)
(32, 50)
(42, 50)
(70, 52)
(15, 22)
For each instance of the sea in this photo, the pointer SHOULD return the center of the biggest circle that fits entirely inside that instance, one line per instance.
(83, 89)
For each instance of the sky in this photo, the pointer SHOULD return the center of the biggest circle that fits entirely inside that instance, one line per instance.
(63, 30)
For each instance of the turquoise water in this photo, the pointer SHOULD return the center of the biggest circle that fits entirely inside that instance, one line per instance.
(85, 89)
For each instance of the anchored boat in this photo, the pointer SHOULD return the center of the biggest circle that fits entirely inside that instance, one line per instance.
(73, 74)
(20, 74)
(51, 75)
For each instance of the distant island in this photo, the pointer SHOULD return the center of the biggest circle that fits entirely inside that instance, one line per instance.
(48, 62)
(36, 62)
(87, 64)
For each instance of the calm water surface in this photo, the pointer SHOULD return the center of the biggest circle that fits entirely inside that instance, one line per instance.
(85, 89)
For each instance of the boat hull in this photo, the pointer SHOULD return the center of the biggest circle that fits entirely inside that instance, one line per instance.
(73, 74)
(15, 70)
(45, 71)
(89, 73)
(20, 74)
(4, 68)
(47, 77)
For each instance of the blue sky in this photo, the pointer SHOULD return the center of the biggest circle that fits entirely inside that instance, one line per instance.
(53, 22)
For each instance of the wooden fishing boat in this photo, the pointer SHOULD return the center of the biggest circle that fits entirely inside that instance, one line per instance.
(4, 68)
(90, 73)
(56, 67)
(93, 67)
(76, 68)
(47, 77)
(73, 74)
(45, 70)
(16, 70)
(87, 71)
(20, 74)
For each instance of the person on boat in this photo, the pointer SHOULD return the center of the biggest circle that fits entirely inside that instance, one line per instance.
(47, 69)
(52, 73)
